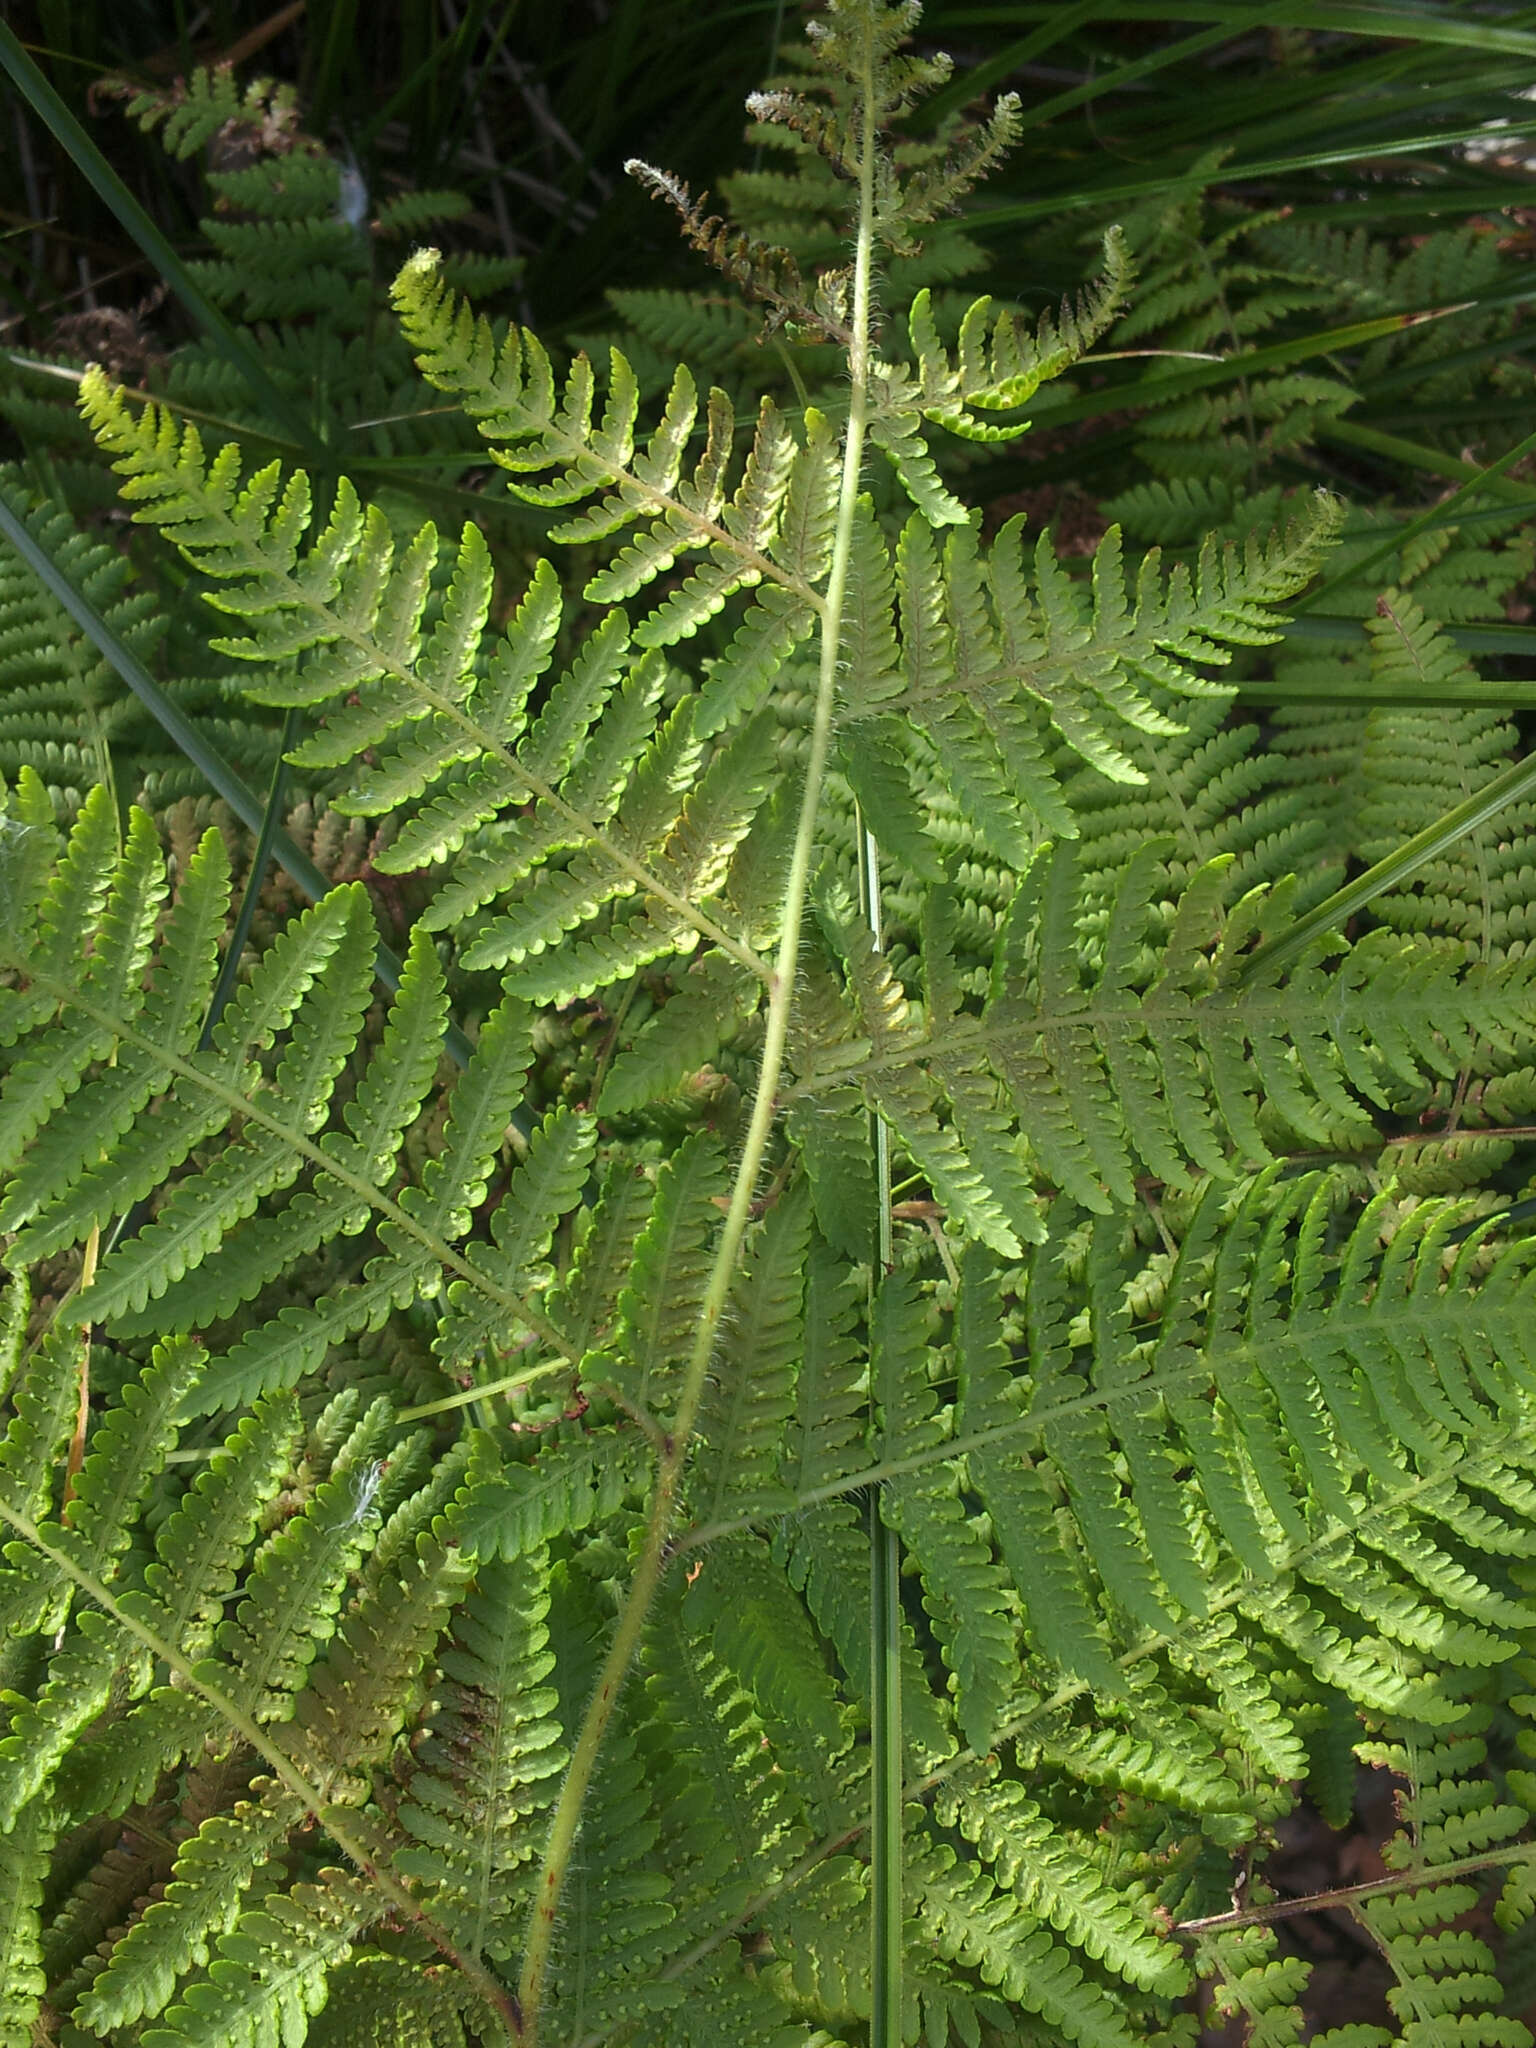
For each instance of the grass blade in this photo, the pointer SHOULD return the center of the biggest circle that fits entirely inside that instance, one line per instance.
(1436, 839)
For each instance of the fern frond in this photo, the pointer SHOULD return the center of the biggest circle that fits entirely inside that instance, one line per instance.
(213, 1874)
(218, 1238)
(209, 102)
(43, 1401)
(1256, 1983)
(1054, 1883)
(510, 389)
(1167, 1048)
(568, 1486)
(987, 374)
(965, 1918)
(756, 1627)
(125, 1453)
(338, 622)
(388, 2001)
(752, 1386)
(967, 1596)
(671, 1265)
(992, 667)
(269, 1975)
(483, 1774)
(23, 1869)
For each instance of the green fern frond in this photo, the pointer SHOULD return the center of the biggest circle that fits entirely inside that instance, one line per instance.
(969, 1600)
(568, 1486)
(749, 535)
(752, 1387)
(839, 1127)
(1213, 791)
(213, 1875)
(991, 667)
(217, 1239)
(483, 1774)
(744, 1607)
(1258, 1985)
(988, 373)
(1054, 1883)
(272, 1966)
(965, 1918)
(388, 2001)
(1168, 1048)
(420, 700)
(43, 1402)
(666, 1282)
(23, 1869)
(209, 102)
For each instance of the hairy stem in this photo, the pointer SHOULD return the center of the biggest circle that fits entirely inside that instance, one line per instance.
(781, 989)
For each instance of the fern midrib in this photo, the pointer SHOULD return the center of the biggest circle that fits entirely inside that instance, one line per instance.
(254, 1110)
(713, 534)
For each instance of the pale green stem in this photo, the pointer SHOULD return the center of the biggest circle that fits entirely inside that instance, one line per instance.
(781, 989)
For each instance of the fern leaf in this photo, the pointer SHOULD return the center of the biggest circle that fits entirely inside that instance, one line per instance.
(24, 1854)
(483, 1778)
(29, 847)
(714, 999)
(214, 1872)
(112, 979)
(751, 1392)
(964, 1917)
(826, 1555)
(660, 1303)
(385, 1999)
(362, 1686)
(755, 1626)
(543, 429)
(1163, 1051)
(993, 664)
(546, 1187)
(1259, 1984)
(453, 1184)
(103, 1109)
(199, 1549)
(1054, 1882)
(998, 372)
(204, 1207)
(1048, 1579)
(125, 1453)
(270, 1973)
(292, 1594)
(963, 1590)
(43, 1400)
(569, 1486)
(42, 1728)
(825, 1440)
(899, 436)
(416, 705)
